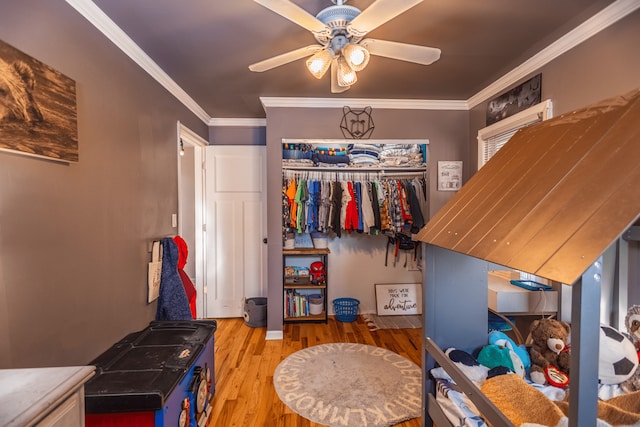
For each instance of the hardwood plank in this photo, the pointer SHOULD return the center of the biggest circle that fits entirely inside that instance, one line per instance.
(245, 363)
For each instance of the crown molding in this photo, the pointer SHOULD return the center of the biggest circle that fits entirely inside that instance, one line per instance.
(238, 122)
(102, 22)
(190, 135)
(590, 27)
(404, 104)
(598, 22)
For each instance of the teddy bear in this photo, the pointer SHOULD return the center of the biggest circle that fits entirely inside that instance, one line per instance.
(549, 352)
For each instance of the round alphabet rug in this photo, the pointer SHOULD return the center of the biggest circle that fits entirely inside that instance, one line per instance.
(350, 385)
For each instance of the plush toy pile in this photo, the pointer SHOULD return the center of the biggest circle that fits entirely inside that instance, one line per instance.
(542, 373)
(547, 360)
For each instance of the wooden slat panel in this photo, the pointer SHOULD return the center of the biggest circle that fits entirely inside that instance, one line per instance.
(619, 209)
(445, 225)
(539, 180)
(440, 223)
(545, 141)
(576, 197)
(599, 231)
(499, 181)
(537, 164)
(554, 203)
(543, 187)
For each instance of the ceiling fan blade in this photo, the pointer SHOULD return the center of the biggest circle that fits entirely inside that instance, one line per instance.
(335, 87)
(377, 14)
(402, 51)
(285, 58)
(294, 13)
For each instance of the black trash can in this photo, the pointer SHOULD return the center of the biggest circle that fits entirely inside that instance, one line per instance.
(255, 312)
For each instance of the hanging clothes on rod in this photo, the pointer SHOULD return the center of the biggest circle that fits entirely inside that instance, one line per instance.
(371, 202)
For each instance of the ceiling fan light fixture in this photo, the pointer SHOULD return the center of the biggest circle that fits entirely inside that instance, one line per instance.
(341, 46)
(346, 75)
(356, 56)
(319, 63)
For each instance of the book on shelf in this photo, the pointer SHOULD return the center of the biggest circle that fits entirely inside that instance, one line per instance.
(296, 304)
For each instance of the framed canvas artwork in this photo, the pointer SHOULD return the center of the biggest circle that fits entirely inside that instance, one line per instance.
(37, 108)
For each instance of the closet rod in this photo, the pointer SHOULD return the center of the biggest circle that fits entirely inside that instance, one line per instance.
(350, 175)
(393, 173)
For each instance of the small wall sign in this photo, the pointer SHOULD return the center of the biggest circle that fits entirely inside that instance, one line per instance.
(449, 175)
(394, 299)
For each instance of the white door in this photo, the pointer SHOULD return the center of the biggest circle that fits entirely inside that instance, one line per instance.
(235, 218)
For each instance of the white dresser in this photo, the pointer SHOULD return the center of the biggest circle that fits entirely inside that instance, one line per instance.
(52, 397)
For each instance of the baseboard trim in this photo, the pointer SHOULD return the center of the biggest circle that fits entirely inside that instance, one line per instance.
(274, 335)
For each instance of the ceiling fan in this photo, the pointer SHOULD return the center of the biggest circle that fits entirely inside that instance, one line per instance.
(340, 32)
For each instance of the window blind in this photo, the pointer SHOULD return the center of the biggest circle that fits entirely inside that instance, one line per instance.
(492, 138)
(494, 143)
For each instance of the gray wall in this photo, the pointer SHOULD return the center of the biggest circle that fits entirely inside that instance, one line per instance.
(604, 66)
(447, 132)
(74, 237)
(237, 135)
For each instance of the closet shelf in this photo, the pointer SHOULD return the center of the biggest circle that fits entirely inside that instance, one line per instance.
(304, 301)
(354, 141)
(390, 170)
(299, 285)
(396, 151)
(306, 251)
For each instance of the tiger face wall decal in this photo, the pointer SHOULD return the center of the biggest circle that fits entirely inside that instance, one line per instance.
(357, 124)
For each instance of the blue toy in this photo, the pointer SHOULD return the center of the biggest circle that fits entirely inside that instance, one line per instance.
(501, 339)
(493, 356)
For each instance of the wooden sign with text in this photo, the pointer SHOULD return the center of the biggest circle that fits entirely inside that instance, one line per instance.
(394, 299)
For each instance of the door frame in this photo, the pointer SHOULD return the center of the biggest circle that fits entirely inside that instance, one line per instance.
(188, 138)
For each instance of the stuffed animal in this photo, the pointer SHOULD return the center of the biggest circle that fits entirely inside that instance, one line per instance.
(549, 352)
(632, 323)
(468, 364)
(502, 339)
(617, 357)
(494, 355)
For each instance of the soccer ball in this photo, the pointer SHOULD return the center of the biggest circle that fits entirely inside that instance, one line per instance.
(618, 359)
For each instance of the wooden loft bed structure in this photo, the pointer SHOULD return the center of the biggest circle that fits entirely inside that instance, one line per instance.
(550, 202)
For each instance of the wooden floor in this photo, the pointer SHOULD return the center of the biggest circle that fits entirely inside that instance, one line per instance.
(245, 363)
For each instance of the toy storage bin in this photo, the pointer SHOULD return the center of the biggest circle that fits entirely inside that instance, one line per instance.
(316, 304)
(255, 312)
(346, 309)
(320, 240)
